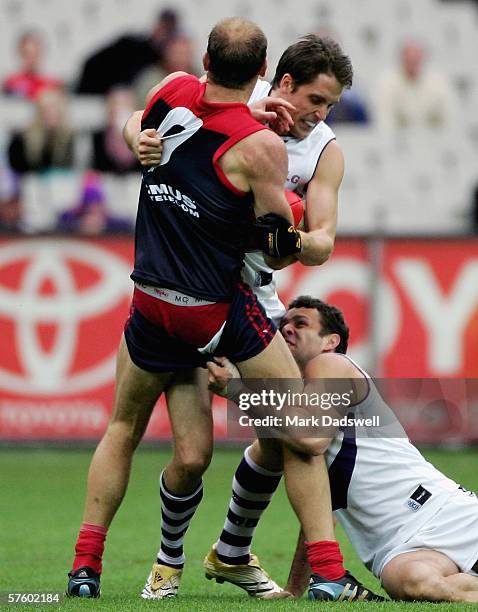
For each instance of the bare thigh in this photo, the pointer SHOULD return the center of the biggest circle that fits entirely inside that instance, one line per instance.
(136, 393)
(275, 361)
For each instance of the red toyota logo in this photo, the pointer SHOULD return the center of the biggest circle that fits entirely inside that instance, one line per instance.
(59, 302)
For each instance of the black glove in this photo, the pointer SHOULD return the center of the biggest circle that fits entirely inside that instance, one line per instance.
(275, 236)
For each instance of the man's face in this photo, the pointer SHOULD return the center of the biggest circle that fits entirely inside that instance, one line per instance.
(412, 56)
(313, 101)
(31, 52)
(301, 328)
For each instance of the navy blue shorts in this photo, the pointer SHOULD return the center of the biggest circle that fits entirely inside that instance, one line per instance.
(247, 332)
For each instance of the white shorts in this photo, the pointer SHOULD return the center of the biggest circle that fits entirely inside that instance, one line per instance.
(274, 308)
(453, 531)
(260, 279)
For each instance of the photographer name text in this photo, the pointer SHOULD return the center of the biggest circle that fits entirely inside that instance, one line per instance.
(309, 421)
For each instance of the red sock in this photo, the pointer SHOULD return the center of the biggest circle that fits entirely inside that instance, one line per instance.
(89, 547)
(325, 559)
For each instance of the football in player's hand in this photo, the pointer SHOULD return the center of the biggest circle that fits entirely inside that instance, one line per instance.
(296, 206)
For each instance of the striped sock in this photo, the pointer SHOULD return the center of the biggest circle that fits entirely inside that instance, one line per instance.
(252, 490)
(176, 513)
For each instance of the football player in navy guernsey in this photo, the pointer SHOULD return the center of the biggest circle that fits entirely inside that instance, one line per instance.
(309, 79)
(412, 526)
(196, 210)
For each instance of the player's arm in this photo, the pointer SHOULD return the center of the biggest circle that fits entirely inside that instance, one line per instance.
(259, 164)
(324, 375)
(333, 366)
(318, 236)
(222, 372)
(320, 225)
(265, 164)
(225, 380)
(321, 209)
(146, 145)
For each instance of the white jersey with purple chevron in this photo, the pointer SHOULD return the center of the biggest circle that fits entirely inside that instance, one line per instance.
(383, 489)
(303, 156)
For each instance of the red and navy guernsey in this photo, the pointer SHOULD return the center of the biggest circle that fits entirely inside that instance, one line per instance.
(192, 223)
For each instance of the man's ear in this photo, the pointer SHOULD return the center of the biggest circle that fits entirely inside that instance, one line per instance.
(287, 83)
(332, 342)
(205, 61)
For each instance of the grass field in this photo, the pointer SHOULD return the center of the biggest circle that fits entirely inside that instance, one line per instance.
(41, 507)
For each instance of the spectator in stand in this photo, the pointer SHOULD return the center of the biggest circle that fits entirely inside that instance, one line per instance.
(10, 200)
(350, 109)
(47, 142)
(412, 96)
(91, 217)
(110, 152)
(29, 81)
(120, 62)
(178, 55)
(167, 27)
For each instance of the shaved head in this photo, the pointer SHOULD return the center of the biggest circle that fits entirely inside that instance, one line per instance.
(237, 51)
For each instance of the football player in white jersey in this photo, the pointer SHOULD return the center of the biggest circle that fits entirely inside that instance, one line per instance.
(309, 80)
(311, 75)
(412, 526)
(316, 164)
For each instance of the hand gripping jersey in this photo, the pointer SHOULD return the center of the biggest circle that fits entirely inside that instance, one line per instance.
(304, 155)
(192, 223)
(383, 489)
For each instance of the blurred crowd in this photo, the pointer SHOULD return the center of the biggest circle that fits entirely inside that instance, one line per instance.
(37, 158)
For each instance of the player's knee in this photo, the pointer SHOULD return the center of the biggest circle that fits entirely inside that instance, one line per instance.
(310, 446)
(422, 587)
(125, 434)
(192, 465)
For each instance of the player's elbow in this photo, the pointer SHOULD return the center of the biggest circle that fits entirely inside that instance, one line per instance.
(318, 255)
(327, 250)
(131, 128)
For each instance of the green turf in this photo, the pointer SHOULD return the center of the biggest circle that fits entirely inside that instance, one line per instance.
(41, 506)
